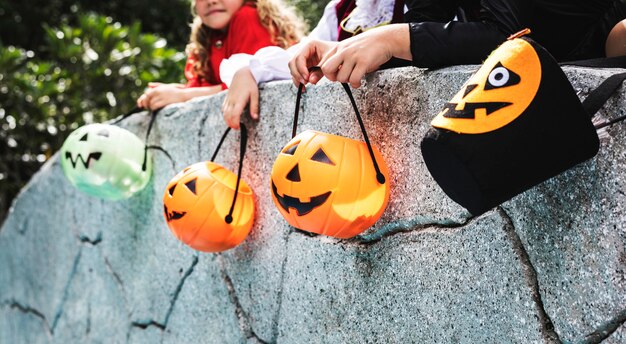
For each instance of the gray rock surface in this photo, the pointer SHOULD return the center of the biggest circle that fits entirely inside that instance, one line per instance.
(547, 266)
(410, 288)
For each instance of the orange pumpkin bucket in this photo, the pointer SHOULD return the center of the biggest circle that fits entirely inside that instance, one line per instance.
(208, 207)
(328, 184)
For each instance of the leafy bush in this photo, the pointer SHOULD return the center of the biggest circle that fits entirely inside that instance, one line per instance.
(20, 21)
(93, 72)
(311, 10)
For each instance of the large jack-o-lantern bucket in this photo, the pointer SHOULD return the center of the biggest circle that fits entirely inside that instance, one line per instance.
(328, 184)
(106, 161)
(515, 123)
(208, 207)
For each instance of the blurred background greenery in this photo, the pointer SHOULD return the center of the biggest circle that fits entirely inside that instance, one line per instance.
(64, 63)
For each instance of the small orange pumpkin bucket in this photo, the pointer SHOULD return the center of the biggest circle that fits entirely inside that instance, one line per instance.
(208, 207)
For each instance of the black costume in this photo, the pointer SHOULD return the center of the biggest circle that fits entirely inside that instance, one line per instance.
(568, 29)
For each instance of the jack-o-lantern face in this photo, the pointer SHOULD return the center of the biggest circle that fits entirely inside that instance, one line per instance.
(497, 94)
(198, 199)
(326, 184)
(105, 161)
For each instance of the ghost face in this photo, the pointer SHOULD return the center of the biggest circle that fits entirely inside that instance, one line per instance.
(105, 161)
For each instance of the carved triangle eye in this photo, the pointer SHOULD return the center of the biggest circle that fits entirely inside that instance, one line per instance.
(191, 185)
(171, 190)
(320, 156)
(291, 150)
(294, 174)
(85, 137)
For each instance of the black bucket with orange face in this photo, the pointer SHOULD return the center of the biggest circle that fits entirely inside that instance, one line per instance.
(516, 123)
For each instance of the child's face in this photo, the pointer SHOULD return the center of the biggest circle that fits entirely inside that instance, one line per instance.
(216, 14)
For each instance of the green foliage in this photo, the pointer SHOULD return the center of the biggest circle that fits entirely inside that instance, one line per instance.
(21, 21)
(311, 10)
(109, 64)
(93, 72)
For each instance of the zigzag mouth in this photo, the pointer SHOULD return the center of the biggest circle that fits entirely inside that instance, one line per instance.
(469, 110)
(174, 215)
(95, 156)
(302, 208)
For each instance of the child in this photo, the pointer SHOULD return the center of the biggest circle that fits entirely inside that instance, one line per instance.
(570, 30)
(220, 29)
(341, 19)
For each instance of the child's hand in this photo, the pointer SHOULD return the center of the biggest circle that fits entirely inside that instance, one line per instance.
(309, 56)
(159, 95)
(351, 59)
(243, 90)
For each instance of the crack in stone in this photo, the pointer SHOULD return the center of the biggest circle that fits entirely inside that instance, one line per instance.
(144, 324)
(88, 329)
(87, 240)
(147, 323)
(74, 216)
(244, 323)
(120, 284)
(417, 225)
(21, 230)
(414, 225)
(114, 274)
(13, 304)
(59, 312)
(530, 274)
(605, 330)
(179, 288)
(300, 231)
(279, 309)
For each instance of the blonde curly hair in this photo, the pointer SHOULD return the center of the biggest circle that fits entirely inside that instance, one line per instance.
(285, 27)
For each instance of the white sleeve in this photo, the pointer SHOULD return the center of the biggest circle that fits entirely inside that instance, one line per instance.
(267, 64)
(229, 66)
(327, 28)
(271, 63)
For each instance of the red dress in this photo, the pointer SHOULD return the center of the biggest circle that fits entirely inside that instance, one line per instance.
(245, 34)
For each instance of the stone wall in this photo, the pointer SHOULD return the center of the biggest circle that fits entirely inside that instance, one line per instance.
(547, 266)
